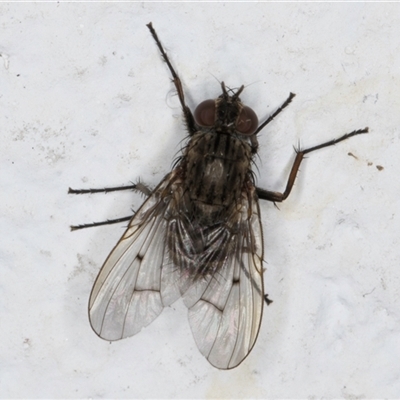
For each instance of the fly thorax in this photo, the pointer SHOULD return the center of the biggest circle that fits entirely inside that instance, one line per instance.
(217, 165)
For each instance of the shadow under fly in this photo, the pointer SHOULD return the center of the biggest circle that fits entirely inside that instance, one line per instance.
(198, 235)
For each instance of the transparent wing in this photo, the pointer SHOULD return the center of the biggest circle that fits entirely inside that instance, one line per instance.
(126, 295)
(225, 309)
(164, 255)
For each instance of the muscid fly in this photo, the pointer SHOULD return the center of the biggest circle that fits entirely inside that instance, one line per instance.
(198, 235)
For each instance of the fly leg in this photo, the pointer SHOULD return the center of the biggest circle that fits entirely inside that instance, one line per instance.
(140, 187)
(253, 137)
(278, 196)
(278, 111)
(267, 299)
(107, 222)
(189, 120)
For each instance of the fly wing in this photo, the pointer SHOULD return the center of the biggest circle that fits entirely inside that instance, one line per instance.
(225, 309)
(126, 294)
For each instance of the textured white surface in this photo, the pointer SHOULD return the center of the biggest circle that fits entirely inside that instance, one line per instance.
(85, 101)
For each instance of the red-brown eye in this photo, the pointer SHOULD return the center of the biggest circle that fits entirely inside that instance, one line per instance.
(205, 113)
(247, 121)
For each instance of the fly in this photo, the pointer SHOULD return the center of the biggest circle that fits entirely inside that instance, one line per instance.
(198, 235)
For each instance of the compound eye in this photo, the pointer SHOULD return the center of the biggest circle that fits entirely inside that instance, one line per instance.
(247, 121)
(205, 113)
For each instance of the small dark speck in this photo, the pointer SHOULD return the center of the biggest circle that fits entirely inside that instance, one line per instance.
(18, 75)
(352, 155)
(379, 167)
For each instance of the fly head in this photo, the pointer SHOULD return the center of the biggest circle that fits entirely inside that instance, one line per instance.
(227, 114)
